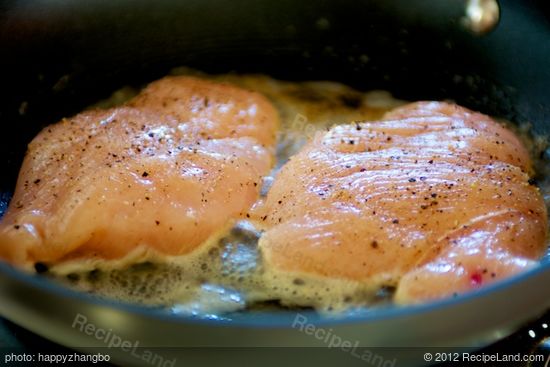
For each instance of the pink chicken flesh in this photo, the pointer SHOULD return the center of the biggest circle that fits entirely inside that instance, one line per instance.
(162, 175)
(434, 199)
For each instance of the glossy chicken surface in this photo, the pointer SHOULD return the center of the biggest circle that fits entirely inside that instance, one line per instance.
(210, 109)
(434, 200)
(160, 176)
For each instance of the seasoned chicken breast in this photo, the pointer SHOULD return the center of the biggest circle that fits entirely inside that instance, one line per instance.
(434, 199)
(162, 176)
(210, 109)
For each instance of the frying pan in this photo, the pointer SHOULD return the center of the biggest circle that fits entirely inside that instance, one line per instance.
(60, 56)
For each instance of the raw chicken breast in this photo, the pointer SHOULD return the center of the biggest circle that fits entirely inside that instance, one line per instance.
(434, 200)
(211, 109)
(136, 180)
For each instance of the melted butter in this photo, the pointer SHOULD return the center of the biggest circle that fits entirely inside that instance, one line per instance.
(227, 274)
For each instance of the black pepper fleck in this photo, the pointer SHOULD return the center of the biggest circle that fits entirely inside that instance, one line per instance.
(40, 267)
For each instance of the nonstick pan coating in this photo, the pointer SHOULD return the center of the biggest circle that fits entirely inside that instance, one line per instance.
(58, 57)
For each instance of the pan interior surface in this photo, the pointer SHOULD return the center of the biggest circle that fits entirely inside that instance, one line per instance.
(228, 277)
(88, 50)
(85, 54)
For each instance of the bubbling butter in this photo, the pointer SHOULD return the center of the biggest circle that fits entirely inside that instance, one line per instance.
(226, 274)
